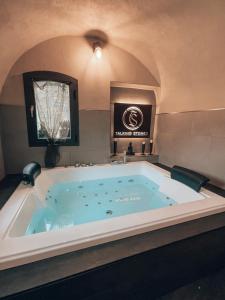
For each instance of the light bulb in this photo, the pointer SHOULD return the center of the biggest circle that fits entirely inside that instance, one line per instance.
(98, 52)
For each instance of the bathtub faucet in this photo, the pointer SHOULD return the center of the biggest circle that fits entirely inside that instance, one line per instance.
(31, 172)
(122, 160)
(124, 157)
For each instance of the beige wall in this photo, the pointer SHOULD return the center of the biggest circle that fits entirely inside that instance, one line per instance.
(74, 56)
(2, 167)
(180, 42)
(94, 140)
(195, 140)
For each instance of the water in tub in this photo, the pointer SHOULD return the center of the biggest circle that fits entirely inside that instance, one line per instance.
(73, 203)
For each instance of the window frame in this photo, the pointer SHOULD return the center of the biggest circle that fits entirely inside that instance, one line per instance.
(28, 79)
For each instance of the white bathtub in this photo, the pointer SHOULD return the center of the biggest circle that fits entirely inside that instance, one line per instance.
(17, 248)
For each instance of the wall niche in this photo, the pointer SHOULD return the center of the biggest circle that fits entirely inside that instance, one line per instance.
(142, 97)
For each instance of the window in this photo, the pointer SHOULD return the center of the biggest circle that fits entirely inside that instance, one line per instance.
(52, 108)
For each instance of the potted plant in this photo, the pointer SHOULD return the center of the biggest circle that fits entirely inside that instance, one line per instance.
(52, 154)
(52, 119)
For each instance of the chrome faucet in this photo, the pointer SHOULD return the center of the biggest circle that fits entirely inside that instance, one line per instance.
(124, 157)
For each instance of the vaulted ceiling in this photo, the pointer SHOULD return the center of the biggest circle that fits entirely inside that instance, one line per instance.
(181, 42)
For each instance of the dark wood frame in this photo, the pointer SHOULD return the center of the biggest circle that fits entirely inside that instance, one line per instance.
(28, 79)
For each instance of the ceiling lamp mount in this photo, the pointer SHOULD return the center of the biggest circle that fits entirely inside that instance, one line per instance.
(97, 49)
(97, 40)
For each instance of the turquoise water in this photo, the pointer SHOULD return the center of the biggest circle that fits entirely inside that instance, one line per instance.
(79, 202)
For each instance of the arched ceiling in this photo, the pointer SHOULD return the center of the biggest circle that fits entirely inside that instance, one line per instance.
(181, 42)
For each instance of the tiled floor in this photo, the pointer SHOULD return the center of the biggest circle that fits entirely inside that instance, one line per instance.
(208, 288)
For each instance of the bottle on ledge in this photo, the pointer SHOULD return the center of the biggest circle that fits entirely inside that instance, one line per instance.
(130, 149)
(150, 147)
(143, 148)
(114, 148)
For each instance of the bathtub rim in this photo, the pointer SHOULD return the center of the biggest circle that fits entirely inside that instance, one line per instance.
(214, 204)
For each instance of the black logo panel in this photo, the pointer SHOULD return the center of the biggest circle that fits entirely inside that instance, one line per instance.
(132, 120)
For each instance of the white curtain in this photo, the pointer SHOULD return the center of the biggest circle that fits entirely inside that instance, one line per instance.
(53, 109)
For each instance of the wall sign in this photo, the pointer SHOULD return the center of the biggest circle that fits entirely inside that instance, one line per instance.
(132, 120)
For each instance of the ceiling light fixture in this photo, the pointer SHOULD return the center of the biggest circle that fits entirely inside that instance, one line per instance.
(97, 50)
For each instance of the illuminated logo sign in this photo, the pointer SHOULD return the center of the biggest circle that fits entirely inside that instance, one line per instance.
(132, 120)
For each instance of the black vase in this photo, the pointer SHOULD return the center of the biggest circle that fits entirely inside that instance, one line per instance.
(52, 156)
(114, 148)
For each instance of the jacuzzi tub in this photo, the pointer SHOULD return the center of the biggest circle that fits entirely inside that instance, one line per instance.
(17, 248)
